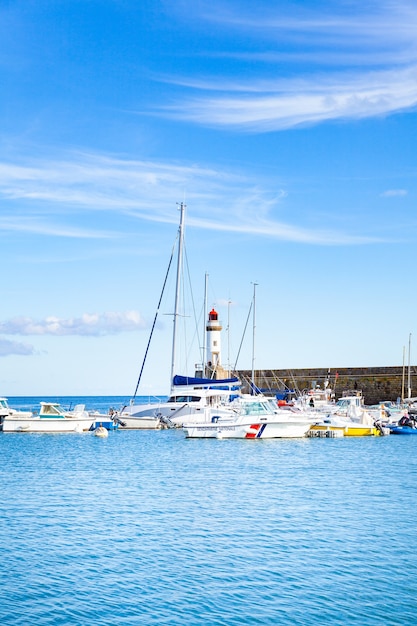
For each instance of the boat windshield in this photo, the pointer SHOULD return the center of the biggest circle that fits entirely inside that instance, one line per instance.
(52, 410)
(256, 408)
(343, 403)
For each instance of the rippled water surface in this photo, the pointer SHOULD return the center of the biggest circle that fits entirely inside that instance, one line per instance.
(152, 528)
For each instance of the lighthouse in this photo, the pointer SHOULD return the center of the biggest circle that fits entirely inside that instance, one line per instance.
(213, 332)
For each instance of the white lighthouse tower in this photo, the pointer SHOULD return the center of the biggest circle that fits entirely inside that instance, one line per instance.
(213, 332)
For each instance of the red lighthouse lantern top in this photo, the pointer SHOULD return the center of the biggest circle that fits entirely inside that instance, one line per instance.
(213, 315)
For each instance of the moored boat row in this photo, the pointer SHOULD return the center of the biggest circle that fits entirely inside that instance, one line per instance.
(240, 416)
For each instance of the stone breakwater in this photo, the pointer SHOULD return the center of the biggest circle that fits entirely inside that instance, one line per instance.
(377, 384)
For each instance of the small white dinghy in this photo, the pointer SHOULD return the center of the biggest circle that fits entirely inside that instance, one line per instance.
(102, 432)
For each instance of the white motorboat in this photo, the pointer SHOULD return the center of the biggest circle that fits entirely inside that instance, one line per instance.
(7, 411)
(255, 417)
(52, 418)
(350, 417)
(388, 412)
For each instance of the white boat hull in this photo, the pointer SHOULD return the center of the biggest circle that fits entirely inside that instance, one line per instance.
(248, 430)
(133, 422)
(173, 414)
(47, 424)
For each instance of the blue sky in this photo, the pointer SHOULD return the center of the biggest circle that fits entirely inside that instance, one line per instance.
(288, 129)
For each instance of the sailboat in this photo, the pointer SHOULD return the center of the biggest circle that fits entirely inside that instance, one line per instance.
(191, 398)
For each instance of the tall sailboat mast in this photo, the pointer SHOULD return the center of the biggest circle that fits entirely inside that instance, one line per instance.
(204, 345)
(177, 289)
(253, 336)
(409, 366)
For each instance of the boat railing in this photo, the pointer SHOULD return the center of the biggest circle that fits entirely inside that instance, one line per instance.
(349, 393)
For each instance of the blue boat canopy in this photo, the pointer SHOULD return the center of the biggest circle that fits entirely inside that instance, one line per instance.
(205, 382)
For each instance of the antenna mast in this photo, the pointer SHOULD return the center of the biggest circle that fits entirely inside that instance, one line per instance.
(177, 289)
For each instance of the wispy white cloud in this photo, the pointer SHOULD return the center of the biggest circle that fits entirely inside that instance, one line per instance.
(371, 49)
(289, 104)
(100, 182)
(53, 198)
(89, 324)
(392, 193)
(286, 232)
(345, 22)
(10, 348)
(344, 25)
(39, 226)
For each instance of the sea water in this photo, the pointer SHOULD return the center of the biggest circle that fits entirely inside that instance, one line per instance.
(148, 527)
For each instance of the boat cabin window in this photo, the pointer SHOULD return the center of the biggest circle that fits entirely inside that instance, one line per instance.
(183, 399)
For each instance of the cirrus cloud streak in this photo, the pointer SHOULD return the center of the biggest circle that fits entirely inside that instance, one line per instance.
(286, 104)
(54, 193)
(286, 52)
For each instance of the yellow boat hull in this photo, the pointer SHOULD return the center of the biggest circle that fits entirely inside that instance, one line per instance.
(359, 430)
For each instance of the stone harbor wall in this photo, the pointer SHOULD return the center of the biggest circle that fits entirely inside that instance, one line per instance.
(378, 384)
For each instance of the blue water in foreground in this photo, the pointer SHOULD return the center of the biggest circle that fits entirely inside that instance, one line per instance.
(153, 528)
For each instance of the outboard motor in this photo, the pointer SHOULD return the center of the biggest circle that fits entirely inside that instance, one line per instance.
(165, 421)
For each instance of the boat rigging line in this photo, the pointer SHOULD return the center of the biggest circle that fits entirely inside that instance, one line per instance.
(154, 322)
(243, 336)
